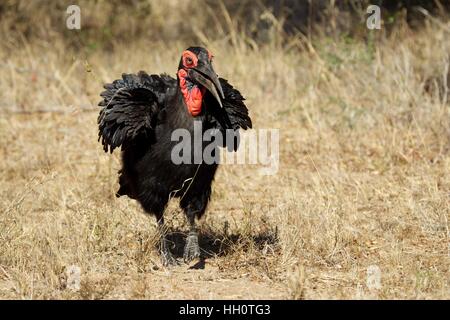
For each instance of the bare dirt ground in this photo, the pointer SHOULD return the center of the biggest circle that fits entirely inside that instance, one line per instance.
(363, 179)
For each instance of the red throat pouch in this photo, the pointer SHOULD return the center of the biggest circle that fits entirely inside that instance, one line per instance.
(194, 97)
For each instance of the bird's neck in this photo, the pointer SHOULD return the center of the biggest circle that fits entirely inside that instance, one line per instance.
(192, 94)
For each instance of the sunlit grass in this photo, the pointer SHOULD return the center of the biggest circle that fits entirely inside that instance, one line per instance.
(363, 179)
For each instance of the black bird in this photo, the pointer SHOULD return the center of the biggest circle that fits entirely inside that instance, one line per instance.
(139, 114)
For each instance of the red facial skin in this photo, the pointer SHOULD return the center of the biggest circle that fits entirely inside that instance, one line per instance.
(210, 56)
(194, 97)
(192, 63)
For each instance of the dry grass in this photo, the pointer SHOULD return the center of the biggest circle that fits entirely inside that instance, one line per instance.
(363, 180)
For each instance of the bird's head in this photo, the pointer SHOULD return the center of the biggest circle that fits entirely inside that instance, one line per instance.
(196, 76)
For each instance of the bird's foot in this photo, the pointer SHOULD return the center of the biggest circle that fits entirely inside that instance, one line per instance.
(167, 259)
(191, 249)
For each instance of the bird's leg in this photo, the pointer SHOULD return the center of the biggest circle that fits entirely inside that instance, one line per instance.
(166, 256)
(191, 249)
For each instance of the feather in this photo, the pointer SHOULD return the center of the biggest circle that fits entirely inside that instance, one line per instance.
(130, 107)
(234, 106)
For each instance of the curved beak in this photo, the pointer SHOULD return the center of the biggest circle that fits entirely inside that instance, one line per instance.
(206, 76)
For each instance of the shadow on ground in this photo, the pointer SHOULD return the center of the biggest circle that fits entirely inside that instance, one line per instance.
(218, 244)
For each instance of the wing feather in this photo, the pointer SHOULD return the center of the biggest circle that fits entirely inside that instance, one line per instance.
(130, 107)
(234, 106)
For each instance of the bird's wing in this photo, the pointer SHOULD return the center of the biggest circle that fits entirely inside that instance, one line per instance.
(234, 106)
(233, 115)
(130, 107)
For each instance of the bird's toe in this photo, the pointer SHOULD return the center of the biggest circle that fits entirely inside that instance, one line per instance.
(192, 249)
(168, 260)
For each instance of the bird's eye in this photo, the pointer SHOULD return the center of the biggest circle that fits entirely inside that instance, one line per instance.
(189, 59)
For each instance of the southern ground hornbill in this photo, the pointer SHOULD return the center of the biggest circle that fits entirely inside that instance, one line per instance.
(139, 114)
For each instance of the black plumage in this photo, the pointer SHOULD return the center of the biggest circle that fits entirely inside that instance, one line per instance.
(140, 112)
